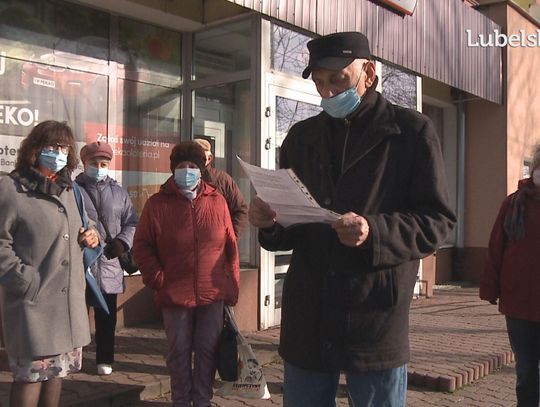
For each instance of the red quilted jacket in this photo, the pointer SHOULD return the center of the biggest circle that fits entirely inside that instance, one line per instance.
(187, 250)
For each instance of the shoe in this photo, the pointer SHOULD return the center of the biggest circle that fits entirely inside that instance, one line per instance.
(104, 369)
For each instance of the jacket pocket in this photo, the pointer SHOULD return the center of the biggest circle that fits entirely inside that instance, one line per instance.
(32, 292)
(373, 291)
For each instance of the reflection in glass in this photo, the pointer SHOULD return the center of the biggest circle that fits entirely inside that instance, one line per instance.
(289, 112)
(34, 92)
(148, 127)
(223, 116)
(289, 52)
(145, 50)
(398, 86)
(31, 29)
(223, 49)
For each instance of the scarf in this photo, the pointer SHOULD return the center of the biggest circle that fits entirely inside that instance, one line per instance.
(34, 180)
(516, 216)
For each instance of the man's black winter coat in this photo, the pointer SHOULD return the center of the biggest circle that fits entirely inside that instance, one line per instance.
(348, 308)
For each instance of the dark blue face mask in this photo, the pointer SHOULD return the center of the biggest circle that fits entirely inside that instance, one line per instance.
(344, 103)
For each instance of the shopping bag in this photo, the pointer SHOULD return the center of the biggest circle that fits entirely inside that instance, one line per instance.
(251, 382)
(227, 361)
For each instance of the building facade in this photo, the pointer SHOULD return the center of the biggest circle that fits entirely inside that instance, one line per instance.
(143, 74)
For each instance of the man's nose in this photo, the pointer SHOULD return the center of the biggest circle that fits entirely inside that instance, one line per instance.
(327, 92)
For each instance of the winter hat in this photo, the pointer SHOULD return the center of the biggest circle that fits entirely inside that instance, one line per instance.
(535, 162)
(188, 151)
(336, 51)
(96, 149)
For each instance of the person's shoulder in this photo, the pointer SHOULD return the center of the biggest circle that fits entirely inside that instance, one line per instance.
(6, 181)
(220, 174)
(8, 187)
(313, 122)
(306, 131)
(407, 118)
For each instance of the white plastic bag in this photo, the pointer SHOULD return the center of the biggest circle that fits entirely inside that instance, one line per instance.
(251, 382)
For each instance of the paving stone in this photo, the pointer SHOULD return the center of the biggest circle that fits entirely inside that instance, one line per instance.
(459, 348)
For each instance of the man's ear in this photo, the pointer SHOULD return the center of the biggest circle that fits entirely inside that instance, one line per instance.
(371, 73)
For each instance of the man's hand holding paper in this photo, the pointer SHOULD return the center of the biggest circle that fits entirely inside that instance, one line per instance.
(261, 215)
(282, 198)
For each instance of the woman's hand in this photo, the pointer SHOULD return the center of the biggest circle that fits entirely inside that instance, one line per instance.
(88, 237)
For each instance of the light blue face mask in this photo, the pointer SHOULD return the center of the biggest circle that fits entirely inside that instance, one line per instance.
(344, 103)
(52, 160)
(187, 178)
(99, 174)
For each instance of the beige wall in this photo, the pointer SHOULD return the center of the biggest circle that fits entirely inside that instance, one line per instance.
(485, 169)
(523, 98)
(499, 138)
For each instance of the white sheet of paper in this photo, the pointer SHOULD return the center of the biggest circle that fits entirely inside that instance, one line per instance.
(286, 195)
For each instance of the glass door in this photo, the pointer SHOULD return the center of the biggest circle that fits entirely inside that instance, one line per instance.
(288, 103)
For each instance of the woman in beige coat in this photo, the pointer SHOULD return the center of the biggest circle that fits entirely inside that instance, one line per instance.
(42, 282)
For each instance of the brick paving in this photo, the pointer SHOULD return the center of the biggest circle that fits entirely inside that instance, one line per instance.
(457, 343)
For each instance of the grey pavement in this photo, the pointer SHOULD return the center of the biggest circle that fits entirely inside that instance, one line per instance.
(460, 355)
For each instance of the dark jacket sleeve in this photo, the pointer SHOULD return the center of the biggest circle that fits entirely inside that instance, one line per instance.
(128, 221)
(426, 219)
(490, 282)
(238, 208)
(145, 249)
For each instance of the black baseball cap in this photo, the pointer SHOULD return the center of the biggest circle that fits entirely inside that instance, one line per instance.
(336, 51)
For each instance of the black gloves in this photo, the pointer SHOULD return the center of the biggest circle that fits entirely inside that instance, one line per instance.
(114, 248)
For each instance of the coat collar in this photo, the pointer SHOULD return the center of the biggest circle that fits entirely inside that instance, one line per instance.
(33, 180)
(373, 125)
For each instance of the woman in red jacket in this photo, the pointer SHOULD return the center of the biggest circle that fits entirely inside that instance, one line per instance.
(512, 276)
(187, 252)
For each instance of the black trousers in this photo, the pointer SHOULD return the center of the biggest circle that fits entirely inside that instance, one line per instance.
(105, 330)
(525, 341)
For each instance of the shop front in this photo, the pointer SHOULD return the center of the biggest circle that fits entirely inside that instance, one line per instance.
(141, 77)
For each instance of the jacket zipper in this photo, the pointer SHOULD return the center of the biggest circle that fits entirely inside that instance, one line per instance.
(196, 256)
(348, 124)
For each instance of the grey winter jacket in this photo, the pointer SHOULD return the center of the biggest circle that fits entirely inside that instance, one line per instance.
(41, 271)
(117, 210)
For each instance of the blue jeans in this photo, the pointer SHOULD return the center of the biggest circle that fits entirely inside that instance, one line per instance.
(525, 341)
(385, 388)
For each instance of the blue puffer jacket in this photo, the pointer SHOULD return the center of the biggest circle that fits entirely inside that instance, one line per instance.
(117, 210)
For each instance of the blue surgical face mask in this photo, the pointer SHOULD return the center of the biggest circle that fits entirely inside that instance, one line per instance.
(344, 103)
(52, 160)
(187, 178)
(99, 174)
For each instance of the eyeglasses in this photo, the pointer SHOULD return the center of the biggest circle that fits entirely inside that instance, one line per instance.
(62, 147)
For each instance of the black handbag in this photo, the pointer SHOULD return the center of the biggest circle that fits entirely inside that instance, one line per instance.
(227, 361)
(126, 260)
